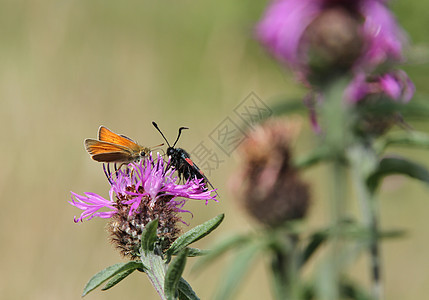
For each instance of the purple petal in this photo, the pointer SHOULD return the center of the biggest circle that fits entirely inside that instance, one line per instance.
(357, 89)
(391, 86)
(91, 204)
(384, 37)
(156, 182)
(283, 25)
(397, 85)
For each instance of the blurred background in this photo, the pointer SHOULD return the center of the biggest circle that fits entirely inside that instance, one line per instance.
(69, 66)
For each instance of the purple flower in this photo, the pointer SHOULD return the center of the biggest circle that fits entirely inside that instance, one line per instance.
(290, 29)
(149, 179)
(140, 193)
(384, 37)
(363, 89)
(395, 84)
(91, 204)
(283, 25)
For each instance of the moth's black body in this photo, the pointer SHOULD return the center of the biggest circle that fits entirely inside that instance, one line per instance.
(181, 160)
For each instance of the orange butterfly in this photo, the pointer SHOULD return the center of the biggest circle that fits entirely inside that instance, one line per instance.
(114, 148)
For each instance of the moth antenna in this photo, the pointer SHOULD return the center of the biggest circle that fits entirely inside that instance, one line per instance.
(157, 128)
(178, 136)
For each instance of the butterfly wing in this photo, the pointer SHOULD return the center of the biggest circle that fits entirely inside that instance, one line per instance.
(111, 157)
(106, 135)
(107, 152)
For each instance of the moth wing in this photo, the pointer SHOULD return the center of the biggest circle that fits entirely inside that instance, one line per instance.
(198, 172)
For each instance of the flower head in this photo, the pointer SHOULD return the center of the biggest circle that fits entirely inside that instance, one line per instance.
(268, 185)
(396, 85)
(142, 192)
(310, 34)
(372, 94)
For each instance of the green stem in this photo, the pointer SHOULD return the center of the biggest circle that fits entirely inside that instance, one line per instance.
(156, 269)
(278, 263)
(335, 118)
(363, 160)
(284, 266)
(337, 212)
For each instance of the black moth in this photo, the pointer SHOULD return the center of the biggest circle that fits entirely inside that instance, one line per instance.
(181, 160)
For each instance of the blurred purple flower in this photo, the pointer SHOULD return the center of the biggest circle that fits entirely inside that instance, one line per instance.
(395, 84)
(383, 35)
(150, 180)
(284, 24)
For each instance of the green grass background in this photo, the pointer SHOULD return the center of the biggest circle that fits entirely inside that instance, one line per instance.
(68, 66)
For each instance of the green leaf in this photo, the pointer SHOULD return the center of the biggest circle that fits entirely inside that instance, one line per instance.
(116, 279)
(194, 234)
(396, 165)
(174, 273)
(392, 233)
(350, 290)
(149, 236)
(221, 248)
(237, 270)
(318, 155)
(414, 139)
(308, 291)
(350, 230)
(193, 252)
(316, 240)
(185, 291)
(361, 233)
(108, 273)
(416, 109)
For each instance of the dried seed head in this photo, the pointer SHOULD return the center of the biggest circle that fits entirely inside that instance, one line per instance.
(268, 185)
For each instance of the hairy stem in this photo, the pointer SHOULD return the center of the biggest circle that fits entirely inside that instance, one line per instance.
(363, 160)
(156, 269)
(335, 117)
(284, 266)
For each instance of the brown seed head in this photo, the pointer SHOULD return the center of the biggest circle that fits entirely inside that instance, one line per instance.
(268, 186)
(125, 231)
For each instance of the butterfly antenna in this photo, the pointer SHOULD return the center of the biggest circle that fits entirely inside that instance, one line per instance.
(157, 128)
(178, 136)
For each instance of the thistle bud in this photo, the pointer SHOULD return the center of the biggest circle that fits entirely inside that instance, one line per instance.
(269, 186)
(332, 42)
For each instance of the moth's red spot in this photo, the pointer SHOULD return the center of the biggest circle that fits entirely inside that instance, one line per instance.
(189, 161)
